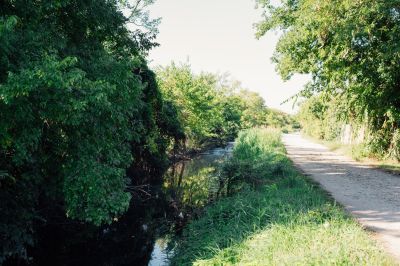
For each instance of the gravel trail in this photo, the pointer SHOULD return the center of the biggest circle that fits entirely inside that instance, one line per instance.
(370, 195)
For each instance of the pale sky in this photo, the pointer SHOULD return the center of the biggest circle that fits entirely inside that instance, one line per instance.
(218, 36)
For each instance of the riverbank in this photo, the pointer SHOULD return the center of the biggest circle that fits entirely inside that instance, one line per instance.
(274, 215)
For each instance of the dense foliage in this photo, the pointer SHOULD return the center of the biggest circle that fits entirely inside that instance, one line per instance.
(352, 51)
(78, 108)
(212, 108)
(82, 118)
(258, 157)
(320, 118)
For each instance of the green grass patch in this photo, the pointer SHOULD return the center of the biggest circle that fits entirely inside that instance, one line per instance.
(285, 220)
(259, 158)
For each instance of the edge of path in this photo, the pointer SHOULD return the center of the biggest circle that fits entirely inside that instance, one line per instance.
(375, 233)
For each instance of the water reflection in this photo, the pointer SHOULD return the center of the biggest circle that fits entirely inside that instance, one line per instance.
(191, 184)
(145, 234)
(161, 253)
(188, 186)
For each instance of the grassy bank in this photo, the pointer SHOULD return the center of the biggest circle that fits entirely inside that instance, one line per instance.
(273, 216)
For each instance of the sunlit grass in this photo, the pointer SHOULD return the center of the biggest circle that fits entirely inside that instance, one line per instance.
(287, 222)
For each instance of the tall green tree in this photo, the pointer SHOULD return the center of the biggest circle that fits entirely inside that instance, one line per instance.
(213, 109)
(195, 97)
(79, 111)
(350, 48)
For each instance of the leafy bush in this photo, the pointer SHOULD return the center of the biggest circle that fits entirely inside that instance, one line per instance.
(321, 117)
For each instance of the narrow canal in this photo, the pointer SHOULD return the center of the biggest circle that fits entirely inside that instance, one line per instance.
(147, 233)
(189, 186)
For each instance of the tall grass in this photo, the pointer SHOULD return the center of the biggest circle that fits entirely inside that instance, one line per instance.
(282, 220)
(258, 158)
(256, 143)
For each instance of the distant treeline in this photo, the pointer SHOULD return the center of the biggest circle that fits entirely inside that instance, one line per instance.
(83, 119)
(351, 49)
(212, 108)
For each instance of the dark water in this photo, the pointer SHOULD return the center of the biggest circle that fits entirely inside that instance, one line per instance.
(146, 234)
(189, 186)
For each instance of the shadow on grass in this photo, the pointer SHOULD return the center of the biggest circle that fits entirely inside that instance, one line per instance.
(284, 219)
(292, 217)
(231, 220)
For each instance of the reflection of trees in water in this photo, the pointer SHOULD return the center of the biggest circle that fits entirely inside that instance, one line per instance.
(188, 186)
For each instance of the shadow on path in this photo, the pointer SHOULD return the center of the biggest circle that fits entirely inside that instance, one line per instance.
(371, 195)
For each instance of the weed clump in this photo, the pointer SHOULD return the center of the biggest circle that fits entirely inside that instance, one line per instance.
(258, 158)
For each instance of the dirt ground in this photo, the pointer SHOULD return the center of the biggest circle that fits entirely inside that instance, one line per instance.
(371, 195)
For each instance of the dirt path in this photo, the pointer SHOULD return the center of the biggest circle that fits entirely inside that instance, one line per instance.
(371, 195)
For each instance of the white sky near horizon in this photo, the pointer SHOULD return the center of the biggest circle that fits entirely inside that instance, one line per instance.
(218, 36)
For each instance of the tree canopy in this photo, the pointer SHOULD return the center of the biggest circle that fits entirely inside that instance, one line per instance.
(212, 107)
(78, 108)
(350, 48)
